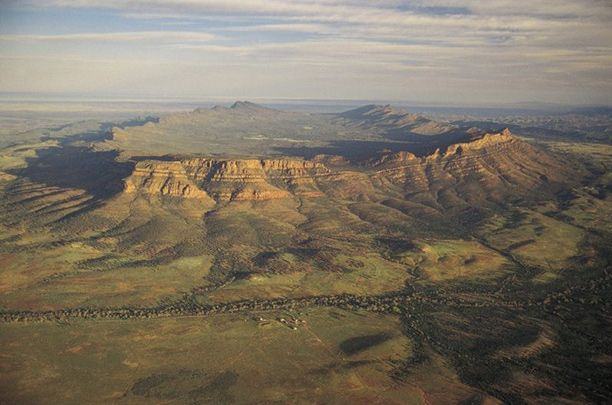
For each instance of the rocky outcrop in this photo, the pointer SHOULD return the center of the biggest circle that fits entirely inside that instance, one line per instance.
(489, 168)
(489, 142)
(252, 169)
(393, 158)
(254, 179)
(227, 179)
(163, 179)
(6, 177)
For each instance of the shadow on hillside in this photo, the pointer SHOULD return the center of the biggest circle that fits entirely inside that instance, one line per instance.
(457, 135)
(359, 150)
(98, 173)
(162, 158)
(136, 122)
(352, 149)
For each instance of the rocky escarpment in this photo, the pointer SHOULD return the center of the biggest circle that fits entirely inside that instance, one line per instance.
(255, 179)
(164, 179)
(490, 168)
(227, 179)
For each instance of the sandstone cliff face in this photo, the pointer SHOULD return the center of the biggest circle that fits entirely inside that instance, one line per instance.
(255, 179)
(489, 142)
(227, 179)
(164, 179)
(252, 169)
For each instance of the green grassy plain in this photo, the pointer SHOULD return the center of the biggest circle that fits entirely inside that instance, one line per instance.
(333, 357)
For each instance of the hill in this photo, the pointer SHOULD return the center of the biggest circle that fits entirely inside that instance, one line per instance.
(394, 122)
(249, 129)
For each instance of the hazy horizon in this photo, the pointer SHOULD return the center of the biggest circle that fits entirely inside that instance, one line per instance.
(15, 99)
(427, 52)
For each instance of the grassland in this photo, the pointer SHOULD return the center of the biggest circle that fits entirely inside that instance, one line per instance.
(334, 355)
(458, 259)
(534, 239)
(363, 275)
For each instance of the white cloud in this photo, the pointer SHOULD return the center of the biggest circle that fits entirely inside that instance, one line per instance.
(424, 48)
(286, 27)
(160, 36)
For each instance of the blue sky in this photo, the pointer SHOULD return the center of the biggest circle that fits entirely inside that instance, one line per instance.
(449, 52)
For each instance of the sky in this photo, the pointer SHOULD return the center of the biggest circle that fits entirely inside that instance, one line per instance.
(429, 52)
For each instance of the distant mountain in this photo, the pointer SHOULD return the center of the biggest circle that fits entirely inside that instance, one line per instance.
(395, 120)
(239, 107)
(589, 111)
(374, 113)
(247, 105)
(251, 129)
